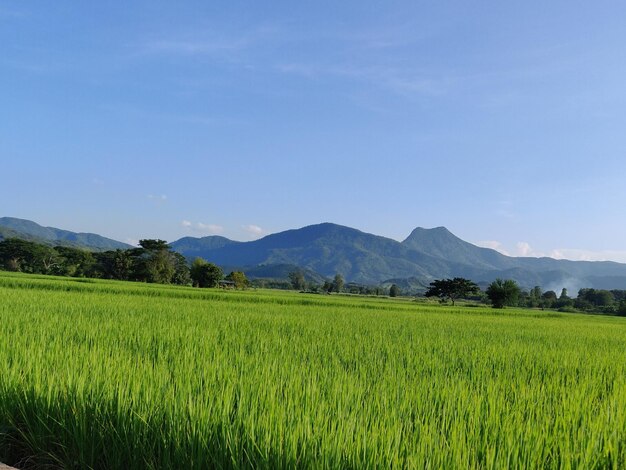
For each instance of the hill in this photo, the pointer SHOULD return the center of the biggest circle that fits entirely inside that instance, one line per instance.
(426, 254)
(11, 227)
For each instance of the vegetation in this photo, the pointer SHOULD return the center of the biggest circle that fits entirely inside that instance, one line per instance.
(103, 374)
(457, 288)
(239, 279)
(394, 291)
(503, 292)
(205, 274)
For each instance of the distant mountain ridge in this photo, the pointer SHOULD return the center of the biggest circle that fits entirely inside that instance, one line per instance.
(11, 227)
(426, 254)
(322, 250)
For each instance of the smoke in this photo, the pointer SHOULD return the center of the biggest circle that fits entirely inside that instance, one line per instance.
(573, 285)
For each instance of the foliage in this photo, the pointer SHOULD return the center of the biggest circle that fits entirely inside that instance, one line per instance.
(297, 280)
(239, 278)
(103, 374)
(452, 289)
(338, 282)
(394, 291)
(205, 274)
(503, 293)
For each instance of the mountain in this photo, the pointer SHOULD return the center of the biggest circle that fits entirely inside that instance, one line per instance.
(197, 247)
(325, 249)
(426, 254)
(11, 227)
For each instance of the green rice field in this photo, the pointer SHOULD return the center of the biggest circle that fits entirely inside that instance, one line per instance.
(111, 375)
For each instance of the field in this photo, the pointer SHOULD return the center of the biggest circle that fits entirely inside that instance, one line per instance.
(97, 374)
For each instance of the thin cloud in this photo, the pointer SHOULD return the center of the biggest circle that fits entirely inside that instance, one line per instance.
(157, 197)
(588, 255)
(210, 229)
(494, 245)
(573, 254)
(254, 230)
(201, 43)
(193, 47)
(402, 82)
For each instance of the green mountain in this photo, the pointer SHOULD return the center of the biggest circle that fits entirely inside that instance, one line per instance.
(11, 227)
(426, 254)
(326, 249)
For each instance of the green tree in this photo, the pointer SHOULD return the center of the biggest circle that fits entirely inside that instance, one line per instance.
(74, 261)
(534, 297)
(28, 257)
(239, 278)
(181, 270)
(338, 283)
(548, 299)
(205, 274)
(394, 291)
(503, 292)
(451, 289)
(297, 280)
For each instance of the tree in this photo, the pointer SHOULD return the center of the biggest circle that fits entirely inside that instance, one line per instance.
(181, 270)
(503, 293)
(297, 280)
(205, 274)
(394, 291)
(154, 245)
(451, 289)
(548, 299)
(564, 295)
(534, 297)
(239, 278)
(28, 257)
(338, 283)
(73, 261)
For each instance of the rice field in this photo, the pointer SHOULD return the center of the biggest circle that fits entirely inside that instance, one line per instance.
(108, 375)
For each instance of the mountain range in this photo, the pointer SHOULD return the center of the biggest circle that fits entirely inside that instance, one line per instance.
(11, 227)
(425, 255)
(326, 249)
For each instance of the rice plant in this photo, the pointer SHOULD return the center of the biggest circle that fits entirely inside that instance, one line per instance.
(101, 374)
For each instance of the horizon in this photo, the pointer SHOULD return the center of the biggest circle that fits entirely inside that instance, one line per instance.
(503, 123)
(336, 224)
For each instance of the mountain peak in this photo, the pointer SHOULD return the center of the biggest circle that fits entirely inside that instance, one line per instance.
(421, 233)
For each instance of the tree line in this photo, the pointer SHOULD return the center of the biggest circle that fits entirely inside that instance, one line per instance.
(506, 292)
(153, 261)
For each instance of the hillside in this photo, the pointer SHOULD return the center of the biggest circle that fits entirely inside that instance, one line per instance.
(326, 249)
(11, 227)
(426, 254)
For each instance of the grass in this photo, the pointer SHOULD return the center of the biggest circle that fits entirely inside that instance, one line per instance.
(102, 374)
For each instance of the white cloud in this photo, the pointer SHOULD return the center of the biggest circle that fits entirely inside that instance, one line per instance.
(573, 254)
(494, 245)
(157, 197)
(210, 229)
(588, 255)
(254, 230)
(524, 249)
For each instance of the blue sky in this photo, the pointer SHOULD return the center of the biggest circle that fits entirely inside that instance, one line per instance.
(503, 121)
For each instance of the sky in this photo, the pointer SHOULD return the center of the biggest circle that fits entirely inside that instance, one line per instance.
(503, 121)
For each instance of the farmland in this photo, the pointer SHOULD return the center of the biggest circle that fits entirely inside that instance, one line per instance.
(105, 374)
